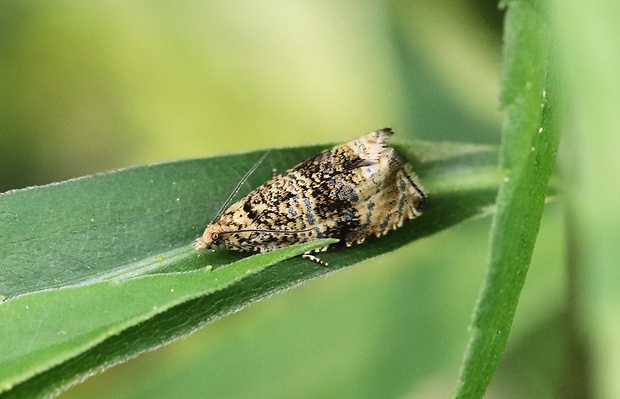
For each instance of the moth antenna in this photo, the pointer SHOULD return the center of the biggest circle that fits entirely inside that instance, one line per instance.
(238, 186)
(265, 231)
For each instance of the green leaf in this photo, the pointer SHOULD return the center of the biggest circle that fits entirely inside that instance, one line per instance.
(530, 143)
(98, 269)
(107, 308)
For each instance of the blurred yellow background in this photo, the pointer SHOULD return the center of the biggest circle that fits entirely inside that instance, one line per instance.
(90, 87)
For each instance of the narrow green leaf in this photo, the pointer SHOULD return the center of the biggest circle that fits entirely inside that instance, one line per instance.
(530, 142)
(95, 258)
(48, 327)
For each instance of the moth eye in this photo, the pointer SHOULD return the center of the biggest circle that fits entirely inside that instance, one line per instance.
(256, 201)
(216, 240)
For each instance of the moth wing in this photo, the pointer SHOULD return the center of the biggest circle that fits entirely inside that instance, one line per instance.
(399, 199)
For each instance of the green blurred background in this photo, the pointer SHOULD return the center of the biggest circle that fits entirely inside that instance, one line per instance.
(91, 86)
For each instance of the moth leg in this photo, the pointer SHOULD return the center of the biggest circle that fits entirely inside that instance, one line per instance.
(313, 258)
(355, 237)
(274, 173)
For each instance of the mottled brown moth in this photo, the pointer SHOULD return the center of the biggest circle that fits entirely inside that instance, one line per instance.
(350, 192)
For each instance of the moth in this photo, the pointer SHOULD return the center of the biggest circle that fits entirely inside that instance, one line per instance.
(350, 192)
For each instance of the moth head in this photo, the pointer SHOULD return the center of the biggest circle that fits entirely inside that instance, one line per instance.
(212, 238)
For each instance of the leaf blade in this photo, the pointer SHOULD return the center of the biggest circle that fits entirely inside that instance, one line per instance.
(529, 146)
(138, 216)
(94, 318)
